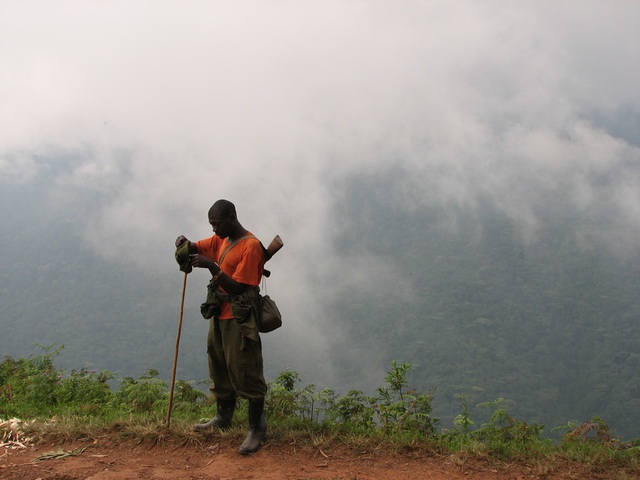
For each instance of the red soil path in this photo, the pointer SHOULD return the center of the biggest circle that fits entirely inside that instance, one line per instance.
(217, 459)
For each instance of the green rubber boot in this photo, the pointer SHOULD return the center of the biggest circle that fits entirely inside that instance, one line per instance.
(257, 427)
(223, 418)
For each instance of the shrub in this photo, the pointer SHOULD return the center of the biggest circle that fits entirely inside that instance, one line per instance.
(401, 409)
(85, 387)
(29, 384)
(140, 395)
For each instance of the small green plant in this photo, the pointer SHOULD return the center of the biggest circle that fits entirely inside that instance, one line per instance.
(186, 398)
(313, 404)
(281, 397)
(401, 409)
(503, 434)
(140, 395)
(306, 404)
(287, 380)
(353, 410)
(463, 423)
(85, 386)
(85, 392)
(185, 393)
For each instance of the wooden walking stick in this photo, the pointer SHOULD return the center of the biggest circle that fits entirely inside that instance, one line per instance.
(175, 357)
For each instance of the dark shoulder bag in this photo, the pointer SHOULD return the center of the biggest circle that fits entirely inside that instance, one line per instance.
(270, 317)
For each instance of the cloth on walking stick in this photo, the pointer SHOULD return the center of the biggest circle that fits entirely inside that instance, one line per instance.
(182, 257)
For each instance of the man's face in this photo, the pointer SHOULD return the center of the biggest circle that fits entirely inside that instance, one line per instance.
(221, 224)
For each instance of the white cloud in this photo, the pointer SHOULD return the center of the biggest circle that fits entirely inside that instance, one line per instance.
(264, 103)
(269, 104)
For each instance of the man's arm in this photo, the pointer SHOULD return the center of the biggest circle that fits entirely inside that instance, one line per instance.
(230, 285)
(224, 280)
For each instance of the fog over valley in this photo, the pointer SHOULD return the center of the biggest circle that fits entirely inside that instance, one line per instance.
(456, 185)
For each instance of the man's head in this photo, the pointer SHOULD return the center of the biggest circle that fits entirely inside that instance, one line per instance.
(223, 219)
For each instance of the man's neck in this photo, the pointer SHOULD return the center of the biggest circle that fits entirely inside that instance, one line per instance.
(238, 233)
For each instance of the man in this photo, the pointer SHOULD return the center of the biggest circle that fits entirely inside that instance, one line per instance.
(233, 344)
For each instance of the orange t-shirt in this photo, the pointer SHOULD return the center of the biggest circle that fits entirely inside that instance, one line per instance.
(244, 262)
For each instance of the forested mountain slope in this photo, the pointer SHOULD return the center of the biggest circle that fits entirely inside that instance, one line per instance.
(547, 320)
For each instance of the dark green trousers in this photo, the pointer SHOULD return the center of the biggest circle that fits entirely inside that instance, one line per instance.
(235, 362)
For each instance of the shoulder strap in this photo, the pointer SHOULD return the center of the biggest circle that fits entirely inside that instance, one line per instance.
(231, 245)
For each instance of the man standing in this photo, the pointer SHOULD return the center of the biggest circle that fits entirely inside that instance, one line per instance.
(235, 259)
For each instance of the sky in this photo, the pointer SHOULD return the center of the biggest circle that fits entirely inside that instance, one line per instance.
(155, 109)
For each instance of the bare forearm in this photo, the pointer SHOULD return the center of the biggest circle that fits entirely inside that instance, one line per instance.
(229, 284)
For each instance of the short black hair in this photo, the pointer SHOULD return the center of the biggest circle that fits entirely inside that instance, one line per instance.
(223, 207)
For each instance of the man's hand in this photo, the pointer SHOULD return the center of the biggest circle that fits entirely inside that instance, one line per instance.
(201, 261)
(180, 240)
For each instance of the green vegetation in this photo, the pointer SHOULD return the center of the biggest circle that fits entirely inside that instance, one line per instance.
(81, 403)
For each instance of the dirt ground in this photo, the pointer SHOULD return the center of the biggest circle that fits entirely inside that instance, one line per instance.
(113, 459)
